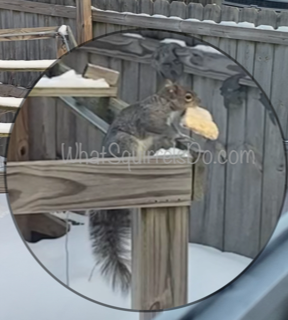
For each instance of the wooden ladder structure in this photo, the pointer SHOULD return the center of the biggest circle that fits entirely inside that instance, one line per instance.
(11, 102)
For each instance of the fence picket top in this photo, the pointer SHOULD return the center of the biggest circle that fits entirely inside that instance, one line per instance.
(266, 17)
(212, 12)
(162, 7)
(195, 11)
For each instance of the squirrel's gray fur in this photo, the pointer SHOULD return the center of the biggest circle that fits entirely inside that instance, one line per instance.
(141, 128)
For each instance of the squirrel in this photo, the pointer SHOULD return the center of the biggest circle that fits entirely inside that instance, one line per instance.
(140, 129)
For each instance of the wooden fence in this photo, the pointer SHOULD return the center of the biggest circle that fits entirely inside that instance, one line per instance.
(241, 209)
(96, 2)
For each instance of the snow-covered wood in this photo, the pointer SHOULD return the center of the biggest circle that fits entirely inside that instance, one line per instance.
(72, 84)
(5, 129)
(227, 29)
(25, 65)
(99, 73)
(10, 103)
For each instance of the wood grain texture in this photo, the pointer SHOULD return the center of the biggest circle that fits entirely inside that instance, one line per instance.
(61, 47)
(39, 8)
(73, 92)
(2, 183)
(47, 224)
(160, 258)
(275, 166)
(196, 61)
(7, 90)
(20, 34)
(98, 72)
(72, 185)
(235, 139)
(18, 150)
(130, 89)
(84, 21)
(191, 27)
(147, 72)
(242, 224)
(207, 214)
(42, 139)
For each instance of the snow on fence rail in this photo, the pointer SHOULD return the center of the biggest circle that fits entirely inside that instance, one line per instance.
(5, 129)
(72, 84)
(193, 26)
(25, 65)
(259, 23)
(10, 103)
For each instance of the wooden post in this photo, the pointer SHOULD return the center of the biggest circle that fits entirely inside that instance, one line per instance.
(18, 150)
(159, 259)
(84, 21)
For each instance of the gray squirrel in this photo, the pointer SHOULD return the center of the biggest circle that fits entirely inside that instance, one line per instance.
(140, 129)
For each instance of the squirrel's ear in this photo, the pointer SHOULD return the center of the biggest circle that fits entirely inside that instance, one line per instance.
(168, 83)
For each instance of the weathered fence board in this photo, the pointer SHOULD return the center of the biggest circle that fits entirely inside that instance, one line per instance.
(72, 185)
(159, 284)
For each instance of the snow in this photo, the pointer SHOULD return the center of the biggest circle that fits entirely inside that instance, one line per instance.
(180, 42)
(204, 48)
(144, 14)
(127, 12)
(174, 17)
(133, 35)
(23, 279)
(246, 24)
(203, 280)
(228, 23)
(63, 30)
(283, 28)
(51, 254)
(172, 152)
(264, 27)
(10, 102)
(159, 16)
(193, 20)
(26, 64)
(225, 23)
(5, 128)
(70, 79)
(2, 159)
(209, 21)
(28, 292)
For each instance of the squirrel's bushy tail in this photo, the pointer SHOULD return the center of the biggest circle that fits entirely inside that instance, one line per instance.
(109, 234)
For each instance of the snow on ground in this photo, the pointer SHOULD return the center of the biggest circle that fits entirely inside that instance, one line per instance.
(28, 292)
(209, 270)
(70, 79)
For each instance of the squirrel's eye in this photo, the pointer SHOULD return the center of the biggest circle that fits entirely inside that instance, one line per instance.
(188, 97)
